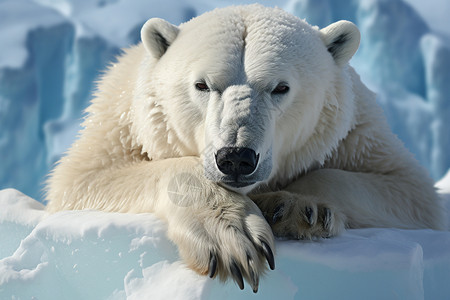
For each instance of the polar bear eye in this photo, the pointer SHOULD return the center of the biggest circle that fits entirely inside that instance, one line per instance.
(202, 86)
(280, 89)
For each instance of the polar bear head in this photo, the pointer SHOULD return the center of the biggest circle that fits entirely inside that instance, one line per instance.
(257, 92)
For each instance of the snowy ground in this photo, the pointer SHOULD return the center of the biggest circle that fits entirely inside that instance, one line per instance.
(98, 255)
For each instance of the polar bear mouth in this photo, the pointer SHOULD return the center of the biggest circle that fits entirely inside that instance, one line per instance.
(237, 184)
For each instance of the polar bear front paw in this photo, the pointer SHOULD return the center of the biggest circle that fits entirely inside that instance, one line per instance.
(299, 217)
(232, 241)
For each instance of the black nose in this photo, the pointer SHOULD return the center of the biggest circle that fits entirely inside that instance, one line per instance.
(236, 161)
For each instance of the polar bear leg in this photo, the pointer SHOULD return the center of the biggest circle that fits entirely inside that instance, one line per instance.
(217, 231)
(226, 236)
(325, 201)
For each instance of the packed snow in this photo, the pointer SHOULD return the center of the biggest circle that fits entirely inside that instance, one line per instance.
(98, 255)
(52, 51)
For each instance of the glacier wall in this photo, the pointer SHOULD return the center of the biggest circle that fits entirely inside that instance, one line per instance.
(51, 53)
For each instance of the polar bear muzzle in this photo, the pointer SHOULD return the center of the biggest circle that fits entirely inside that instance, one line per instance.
(239, 137)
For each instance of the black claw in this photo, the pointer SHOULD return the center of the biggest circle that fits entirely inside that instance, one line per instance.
(327, 218)
(309, 215)
(212, 265)
(253, 275)
(255, 289)
(237, 275)
(277, 214)
(269, 255)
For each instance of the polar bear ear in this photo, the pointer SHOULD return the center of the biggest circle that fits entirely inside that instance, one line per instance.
(157, 35)
(342, 40)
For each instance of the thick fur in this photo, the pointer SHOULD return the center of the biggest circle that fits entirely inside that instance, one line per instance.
(327, 158)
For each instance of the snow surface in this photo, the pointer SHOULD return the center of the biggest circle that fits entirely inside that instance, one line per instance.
(51, 52)
(98, 255)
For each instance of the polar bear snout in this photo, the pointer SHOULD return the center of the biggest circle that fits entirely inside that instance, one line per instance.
(236, 161)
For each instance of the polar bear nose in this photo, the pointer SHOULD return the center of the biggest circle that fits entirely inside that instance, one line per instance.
(236, 161)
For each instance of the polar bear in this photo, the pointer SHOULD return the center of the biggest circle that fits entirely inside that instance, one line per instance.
(241, 124)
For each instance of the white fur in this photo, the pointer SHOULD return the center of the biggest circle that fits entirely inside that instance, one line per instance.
(327, 157)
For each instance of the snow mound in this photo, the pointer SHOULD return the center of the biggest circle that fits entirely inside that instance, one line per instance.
(98, 255)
